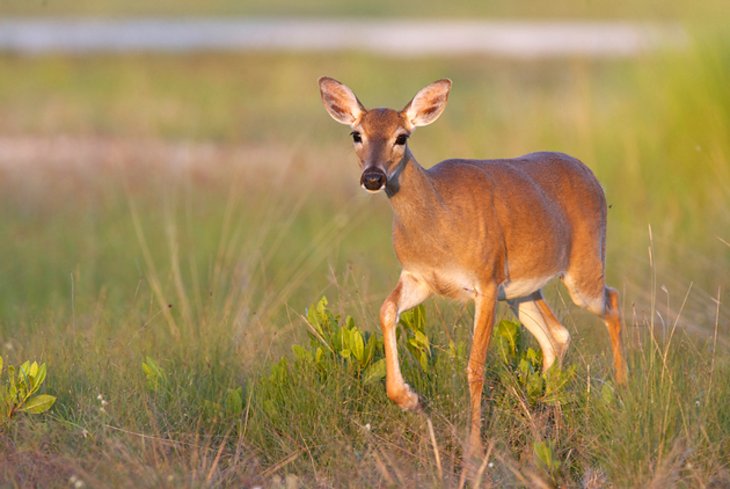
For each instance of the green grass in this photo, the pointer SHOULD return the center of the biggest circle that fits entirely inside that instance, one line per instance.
(206, 263)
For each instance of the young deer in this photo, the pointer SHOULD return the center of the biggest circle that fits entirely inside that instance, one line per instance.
(481, 230)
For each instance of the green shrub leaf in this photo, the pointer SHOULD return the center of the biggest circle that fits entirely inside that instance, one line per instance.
(234, 402)
(302, 354)
(357, 344)
(545, 454)
(374, 373)
(607, 394)
(39, 378)
(38, 404)
(154, 374)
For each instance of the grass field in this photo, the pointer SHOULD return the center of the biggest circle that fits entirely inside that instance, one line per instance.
(187, 210)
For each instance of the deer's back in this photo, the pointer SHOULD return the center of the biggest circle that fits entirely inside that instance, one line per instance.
(556, 175)
(552, 186)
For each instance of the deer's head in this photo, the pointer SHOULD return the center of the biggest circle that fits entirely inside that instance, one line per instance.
(380, 136)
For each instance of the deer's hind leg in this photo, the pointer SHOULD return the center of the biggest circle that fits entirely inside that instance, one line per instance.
(537, 317)
(589, 291)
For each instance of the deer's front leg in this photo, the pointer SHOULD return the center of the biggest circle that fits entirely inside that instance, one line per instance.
(485, 303)
(409, 292)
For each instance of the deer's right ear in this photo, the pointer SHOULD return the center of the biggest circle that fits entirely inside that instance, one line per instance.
(340, 102)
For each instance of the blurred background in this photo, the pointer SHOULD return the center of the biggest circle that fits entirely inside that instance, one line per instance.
(171, 185)
(201, 107)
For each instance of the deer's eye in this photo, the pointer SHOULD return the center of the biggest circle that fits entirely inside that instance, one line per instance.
(401, 139)
(356, 137)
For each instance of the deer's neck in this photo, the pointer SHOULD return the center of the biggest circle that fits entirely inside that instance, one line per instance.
(411, 191)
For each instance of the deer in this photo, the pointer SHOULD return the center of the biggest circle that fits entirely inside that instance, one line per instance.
(482, 231)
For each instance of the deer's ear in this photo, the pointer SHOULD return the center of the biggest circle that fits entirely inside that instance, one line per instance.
(340, 102)
(428, 104)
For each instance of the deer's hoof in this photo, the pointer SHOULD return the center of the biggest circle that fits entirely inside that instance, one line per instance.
(405, 398)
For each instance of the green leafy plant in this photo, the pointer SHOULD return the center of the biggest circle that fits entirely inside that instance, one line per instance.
(335, 375)
(607, 394)
(228, 409)
(545, 454)
(413, 322)
(154, 374)
(19, 390)
(522, 365)
(272, 388)
(332, 339)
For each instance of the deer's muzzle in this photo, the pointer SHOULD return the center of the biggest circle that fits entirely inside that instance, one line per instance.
(373, 179)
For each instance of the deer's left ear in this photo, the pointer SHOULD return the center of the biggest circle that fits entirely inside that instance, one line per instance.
(428, 104)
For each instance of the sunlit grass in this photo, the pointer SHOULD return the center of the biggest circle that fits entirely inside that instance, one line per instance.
(205, 262)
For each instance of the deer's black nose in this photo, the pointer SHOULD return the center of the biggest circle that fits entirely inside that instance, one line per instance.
(373, 179)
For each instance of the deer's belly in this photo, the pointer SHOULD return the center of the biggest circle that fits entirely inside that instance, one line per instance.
(460, 285)
(514, 289)
(454, 283)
